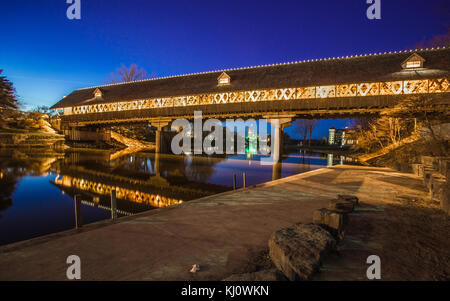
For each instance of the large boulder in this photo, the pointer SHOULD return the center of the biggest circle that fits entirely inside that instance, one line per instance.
(297, 251)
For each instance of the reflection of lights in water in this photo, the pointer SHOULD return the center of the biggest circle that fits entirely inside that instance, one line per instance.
(329, 160)
(148, 164)
(135, 196)
(188, 159)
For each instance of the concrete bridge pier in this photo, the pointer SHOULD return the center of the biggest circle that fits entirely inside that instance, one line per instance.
(278, 123)
(160, 125)
(157, 164)
(276, 171)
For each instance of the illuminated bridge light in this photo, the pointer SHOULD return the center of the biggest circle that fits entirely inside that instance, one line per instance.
(440, 85)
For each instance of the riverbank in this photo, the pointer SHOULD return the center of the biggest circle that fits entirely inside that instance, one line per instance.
(30, 139)
(225, 234)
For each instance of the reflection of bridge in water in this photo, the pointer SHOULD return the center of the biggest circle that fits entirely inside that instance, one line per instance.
(101, 188)
(138, 191)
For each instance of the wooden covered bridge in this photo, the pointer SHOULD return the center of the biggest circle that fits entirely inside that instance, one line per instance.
(322, 88)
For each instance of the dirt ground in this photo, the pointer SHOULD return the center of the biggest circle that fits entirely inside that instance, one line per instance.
(415, 240)
(409, 234)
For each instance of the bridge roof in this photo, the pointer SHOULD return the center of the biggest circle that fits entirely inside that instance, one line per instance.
(353, 69)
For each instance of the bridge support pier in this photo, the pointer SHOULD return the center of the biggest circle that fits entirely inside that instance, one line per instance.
(157, 165)
(159, 141)
(278, 123)
(276, 171)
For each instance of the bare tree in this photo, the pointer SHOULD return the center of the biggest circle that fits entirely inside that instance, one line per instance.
(302, 128)
(441, 10)
(311, 125)
(441, 40)
(44, 110)
(124, 74)
(429, 114)
(403, 123)
(305, 128)
(362, 123)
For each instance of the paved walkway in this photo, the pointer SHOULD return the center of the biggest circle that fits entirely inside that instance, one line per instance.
(219, 232)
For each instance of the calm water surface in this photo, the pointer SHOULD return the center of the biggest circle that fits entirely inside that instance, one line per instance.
(37, 189)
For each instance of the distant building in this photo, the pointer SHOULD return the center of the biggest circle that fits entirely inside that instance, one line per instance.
(341, 137)
(331, 135)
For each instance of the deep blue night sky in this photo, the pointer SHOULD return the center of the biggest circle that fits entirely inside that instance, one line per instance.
(47, 55)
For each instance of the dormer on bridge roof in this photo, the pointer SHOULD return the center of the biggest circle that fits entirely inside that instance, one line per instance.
(224, 79)
(413, 61)
(98, 93)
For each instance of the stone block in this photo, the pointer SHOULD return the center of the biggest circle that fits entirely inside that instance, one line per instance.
(437, 184)
(332, 220)
(428, 161)
(342, 206)
(349, 197)
(297, 251)
(444, 167)
(417, 169)
(427, 174)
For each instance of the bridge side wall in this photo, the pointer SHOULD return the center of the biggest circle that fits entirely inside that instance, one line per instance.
(304, 106)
